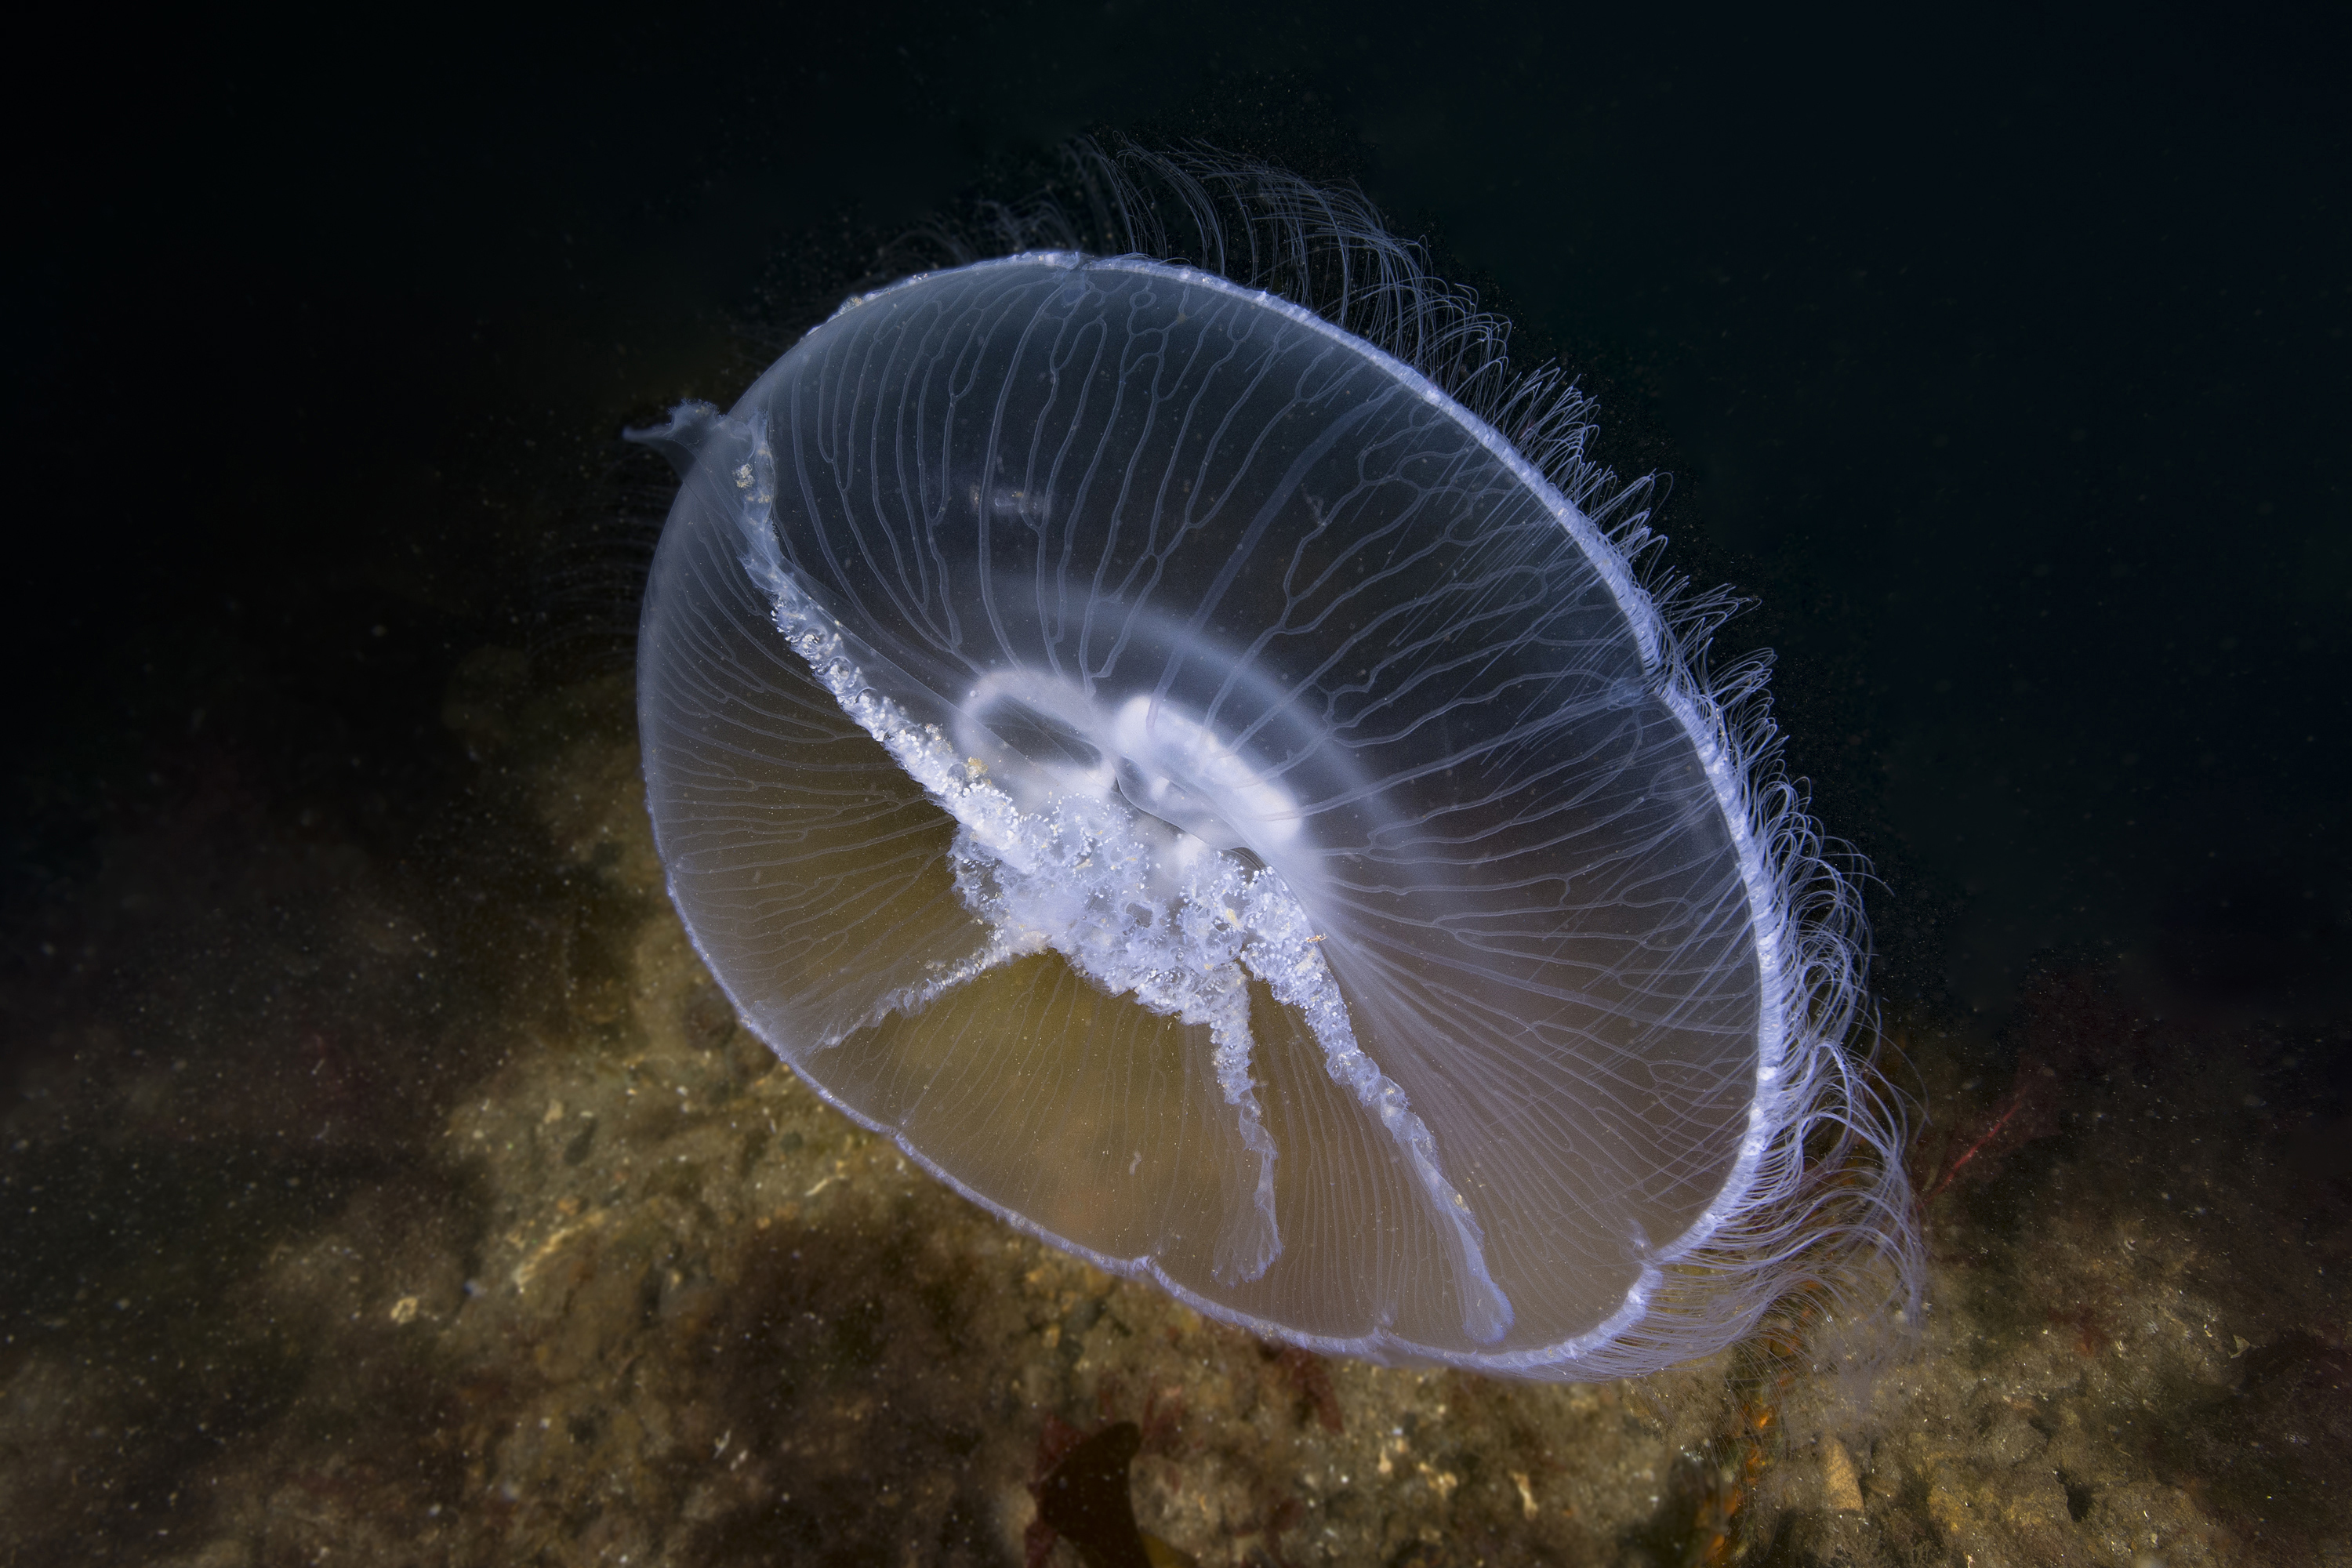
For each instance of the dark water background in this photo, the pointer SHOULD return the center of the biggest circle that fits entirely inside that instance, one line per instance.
(2000, 356)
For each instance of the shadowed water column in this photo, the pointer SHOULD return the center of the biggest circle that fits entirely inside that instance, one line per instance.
(1216, 801)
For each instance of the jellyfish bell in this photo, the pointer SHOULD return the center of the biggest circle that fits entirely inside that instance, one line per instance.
(1149, 743)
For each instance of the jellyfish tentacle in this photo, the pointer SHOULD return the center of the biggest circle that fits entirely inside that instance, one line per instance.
(1152, 916)
(1285, 954)
(1250, 1240)
(907, 1001)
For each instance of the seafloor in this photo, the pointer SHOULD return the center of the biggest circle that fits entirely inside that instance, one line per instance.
(425, 1205)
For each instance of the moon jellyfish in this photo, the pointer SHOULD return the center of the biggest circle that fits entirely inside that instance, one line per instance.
(1190, 750)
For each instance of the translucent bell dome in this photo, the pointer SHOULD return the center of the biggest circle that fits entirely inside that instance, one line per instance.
(1211, 798)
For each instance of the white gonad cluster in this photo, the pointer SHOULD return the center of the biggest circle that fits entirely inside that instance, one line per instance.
(1193, 751)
